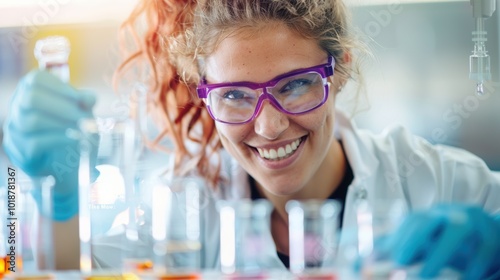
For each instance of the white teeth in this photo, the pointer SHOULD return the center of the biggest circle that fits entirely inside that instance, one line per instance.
(281, 152)
(260, 152)
(273, 154)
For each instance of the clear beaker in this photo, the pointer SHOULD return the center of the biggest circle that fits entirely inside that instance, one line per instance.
(176, 227)
(313, 237)
(244, 235)
(376, 219)
(106, 173)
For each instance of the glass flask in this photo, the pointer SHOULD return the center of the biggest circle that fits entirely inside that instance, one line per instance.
(106, 193)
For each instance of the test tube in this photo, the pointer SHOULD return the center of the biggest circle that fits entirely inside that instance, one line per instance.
(52, 54)
(313, 227)
(138, 112)
(244, 235)
(46, 254)
(17, 258)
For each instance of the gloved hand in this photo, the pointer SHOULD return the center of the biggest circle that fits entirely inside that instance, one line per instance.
(462, 237)
(42, 109)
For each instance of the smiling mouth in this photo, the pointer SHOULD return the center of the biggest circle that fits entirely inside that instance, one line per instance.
(281, 152)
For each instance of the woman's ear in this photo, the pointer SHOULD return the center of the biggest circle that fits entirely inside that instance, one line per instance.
(347, 58)
(340, 80)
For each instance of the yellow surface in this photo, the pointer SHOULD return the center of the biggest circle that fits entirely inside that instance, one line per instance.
(29, 277)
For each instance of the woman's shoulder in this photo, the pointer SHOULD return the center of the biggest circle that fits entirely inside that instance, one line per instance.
(399, 141)
(397, 147)
(428, 172)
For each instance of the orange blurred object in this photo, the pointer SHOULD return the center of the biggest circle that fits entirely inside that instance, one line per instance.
(187, 276)
(146, 265)
(5, 265)
(138, 265)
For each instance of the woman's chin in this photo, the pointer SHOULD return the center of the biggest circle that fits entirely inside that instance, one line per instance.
(282, 191)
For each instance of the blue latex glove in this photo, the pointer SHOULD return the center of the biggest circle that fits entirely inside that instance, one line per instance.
(42, 109)
(462, 237)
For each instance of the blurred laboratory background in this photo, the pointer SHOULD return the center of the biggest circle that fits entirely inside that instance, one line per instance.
(417, 76)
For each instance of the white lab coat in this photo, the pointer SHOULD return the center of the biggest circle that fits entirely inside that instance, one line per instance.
(392, 165)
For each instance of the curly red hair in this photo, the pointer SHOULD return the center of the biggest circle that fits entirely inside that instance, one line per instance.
(171, 100)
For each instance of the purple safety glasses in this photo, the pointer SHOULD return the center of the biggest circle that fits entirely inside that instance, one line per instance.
(296, 92)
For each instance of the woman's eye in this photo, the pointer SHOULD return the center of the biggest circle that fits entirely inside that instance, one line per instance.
(296, 84)
(234, 94)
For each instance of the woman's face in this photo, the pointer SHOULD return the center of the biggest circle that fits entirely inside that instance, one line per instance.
(259, 58)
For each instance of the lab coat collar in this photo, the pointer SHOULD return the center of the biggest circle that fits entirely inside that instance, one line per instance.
(362, 161)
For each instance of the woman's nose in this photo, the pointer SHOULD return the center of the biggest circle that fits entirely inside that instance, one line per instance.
(270, 123)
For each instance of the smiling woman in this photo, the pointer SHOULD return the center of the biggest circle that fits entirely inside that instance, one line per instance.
(268, 127)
